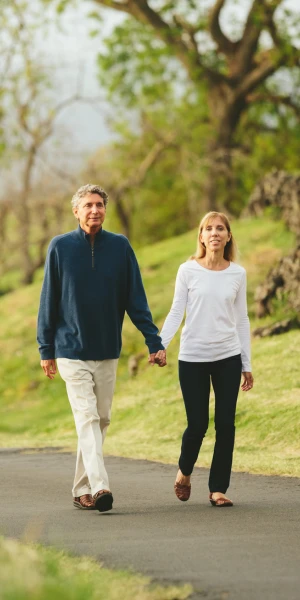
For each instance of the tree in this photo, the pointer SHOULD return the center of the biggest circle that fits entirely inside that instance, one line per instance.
(238, 73)
(32, 200)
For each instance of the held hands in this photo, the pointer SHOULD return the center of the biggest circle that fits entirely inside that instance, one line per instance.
(49, 367)
(159, 358)
(247, 383)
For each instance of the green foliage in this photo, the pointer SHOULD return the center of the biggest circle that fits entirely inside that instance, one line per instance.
(168, 196)
(136, 67)
(47, 573)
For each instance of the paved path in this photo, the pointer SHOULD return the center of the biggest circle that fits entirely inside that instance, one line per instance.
(248, 552)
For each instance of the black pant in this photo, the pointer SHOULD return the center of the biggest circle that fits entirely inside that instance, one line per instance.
(194, 380)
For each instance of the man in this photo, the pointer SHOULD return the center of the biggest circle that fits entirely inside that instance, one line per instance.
(91, 278)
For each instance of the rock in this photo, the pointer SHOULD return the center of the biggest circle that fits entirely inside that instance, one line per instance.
(277, 328)
(281, 191)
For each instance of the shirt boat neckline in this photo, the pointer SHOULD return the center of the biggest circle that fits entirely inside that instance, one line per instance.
(213, 270)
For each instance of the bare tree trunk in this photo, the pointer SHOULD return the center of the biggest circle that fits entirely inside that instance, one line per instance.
(24, 220)
(123, 215)
(226, 116)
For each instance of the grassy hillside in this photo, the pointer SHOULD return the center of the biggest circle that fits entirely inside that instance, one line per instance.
(46, 573)
(148, 416)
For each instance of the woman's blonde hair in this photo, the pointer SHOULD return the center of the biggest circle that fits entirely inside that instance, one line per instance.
(230, 250)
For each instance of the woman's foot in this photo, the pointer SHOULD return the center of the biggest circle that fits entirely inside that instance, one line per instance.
(182, 486)
(183, 479)
(220, 500)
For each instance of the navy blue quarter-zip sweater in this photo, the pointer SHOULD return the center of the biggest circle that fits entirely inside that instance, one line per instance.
(85, 294)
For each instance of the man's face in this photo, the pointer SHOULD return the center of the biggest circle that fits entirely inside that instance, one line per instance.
(90, 213)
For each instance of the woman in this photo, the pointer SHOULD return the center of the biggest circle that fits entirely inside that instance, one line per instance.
(215, 346)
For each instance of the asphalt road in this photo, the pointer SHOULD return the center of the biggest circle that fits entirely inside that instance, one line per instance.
(248, 552)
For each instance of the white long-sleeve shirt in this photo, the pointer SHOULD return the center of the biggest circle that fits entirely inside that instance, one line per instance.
(217, 324)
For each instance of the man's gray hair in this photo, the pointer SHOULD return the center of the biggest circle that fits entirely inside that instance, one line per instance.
(84, 190)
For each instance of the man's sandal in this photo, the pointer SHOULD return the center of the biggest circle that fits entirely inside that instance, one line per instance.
(221, 502)
(182, 491)
(103, 500)
(84, 502)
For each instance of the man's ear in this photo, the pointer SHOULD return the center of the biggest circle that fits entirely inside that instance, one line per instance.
(75, 212)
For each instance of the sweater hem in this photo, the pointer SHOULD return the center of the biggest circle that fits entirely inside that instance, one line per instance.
(192, 358)
(84, 356)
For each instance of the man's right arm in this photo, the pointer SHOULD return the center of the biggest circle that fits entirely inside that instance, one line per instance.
(48, 310)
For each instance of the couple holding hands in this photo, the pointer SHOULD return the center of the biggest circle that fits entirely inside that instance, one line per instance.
(91, 279)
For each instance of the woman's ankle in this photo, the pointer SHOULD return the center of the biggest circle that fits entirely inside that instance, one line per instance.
(183, 479)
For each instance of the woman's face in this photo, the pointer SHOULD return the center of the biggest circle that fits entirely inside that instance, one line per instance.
(215, 235)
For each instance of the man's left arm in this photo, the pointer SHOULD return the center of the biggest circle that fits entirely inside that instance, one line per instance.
(137, 307)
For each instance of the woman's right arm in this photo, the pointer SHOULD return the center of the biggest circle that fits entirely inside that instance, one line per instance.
(176, 314)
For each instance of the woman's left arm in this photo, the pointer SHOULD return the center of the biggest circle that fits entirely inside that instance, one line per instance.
(243, 330)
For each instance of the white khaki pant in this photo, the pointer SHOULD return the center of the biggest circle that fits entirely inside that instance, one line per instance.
(90, 387)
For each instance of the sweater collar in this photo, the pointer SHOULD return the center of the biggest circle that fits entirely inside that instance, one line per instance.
(86, 236)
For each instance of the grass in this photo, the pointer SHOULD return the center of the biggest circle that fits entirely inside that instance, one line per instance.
(46, 573)
(148, 414)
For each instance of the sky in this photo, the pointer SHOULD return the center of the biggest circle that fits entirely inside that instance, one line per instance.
(72, 54)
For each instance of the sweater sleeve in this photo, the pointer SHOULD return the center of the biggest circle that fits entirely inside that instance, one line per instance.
(176, 314)
(137, 307)
(48, 310)
(243, 324)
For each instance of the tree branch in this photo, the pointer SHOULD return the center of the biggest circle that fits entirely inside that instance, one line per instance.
(122, 6)
(140, 173)
(192, 61)
(260, 16)
(224, 44)
(256, 77)
(275, 99)
(135, 179)
(180, 21)
(270, 61)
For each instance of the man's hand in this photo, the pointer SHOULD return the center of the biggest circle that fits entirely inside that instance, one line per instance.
(49, 367)
(159, 358)
(247, 383)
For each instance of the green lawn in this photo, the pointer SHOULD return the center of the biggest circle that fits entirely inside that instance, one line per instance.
(30, 572)
(148, 416)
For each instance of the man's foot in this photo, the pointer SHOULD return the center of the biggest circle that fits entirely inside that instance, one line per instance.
(218, 499)
(182, 486)
(85, 502)
(103, 500)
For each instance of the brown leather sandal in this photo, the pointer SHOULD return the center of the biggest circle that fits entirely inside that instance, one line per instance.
(103, 500)
(222, 502)
(85, 502)
(182, 491)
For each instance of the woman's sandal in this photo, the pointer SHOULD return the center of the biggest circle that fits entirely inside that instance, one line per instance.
(221, 502)
(182, 491)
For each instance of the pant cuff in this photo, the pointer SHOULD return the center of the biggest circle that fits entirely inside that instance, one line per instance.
(184, 471)
(99, 488)
(81, 491)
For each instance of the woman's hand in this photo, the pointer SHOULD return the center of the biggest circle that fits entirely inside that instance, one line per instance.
(247, 383)
(160, 358)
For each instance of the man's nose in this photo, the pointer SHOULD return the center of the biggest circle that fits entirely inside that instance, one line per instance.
(94, 209)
